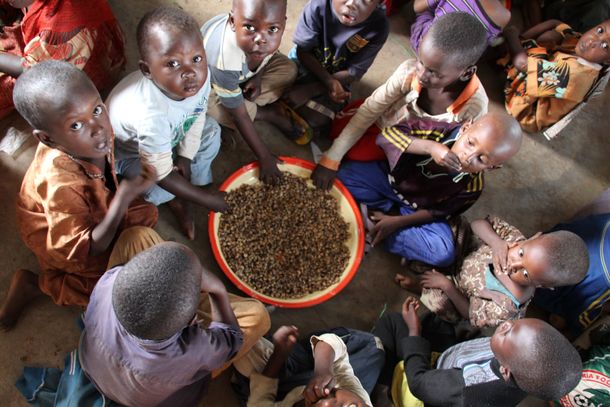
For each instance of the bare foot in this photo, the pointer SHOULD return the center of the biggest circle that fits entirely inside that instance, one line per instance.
(23, 289)
(409, 283)
(184, 216)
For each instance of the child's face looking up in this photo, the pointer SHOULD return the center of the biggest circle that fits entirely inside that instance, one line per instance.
(258, 26)
(78, 124)
(175, 62)
(594, 45)
(527, 263)
(476, 147)
(434, 69)
(354, 12)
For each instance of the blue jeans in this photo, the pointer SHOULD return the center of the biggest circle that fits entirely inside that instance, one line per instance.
(431, 243)
(201, 166)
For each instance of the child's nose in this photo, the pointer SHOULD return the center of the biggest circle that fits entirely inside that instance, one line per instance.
(259, 38)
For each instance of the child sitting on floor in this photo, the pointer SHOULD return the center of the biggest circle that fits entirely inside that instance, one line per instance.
(552, 70)
(525, 356)
(497, 281)
(336, 43)
(249, 75)
(159, 325)
(159, 115)
(492, 14)
(82, 32)
(332, 368)
(432, 172)
(70, 208)
(440, 85)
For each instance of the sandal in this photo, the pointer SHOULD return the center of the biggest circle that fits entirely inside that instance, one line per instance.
(306, 134)
(368, 225)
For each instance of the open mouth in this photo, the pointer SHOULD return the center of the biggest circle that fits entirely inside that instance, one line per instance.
(191, 87)
(348, 18)
(103, 145)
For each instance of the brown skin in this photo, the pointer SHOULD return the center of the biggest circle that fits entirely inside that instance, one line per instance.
(510, 338)
(175, 62)
(493, 8)
(258, 26)
(442, 81)
(593, 45)
(520, 266)
(77, 124)
(483, 145)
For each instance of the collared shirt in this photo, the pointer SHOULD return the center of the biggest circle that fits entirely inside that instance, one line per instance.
(337, 46)
(466, 374)
(150, 125)
(144, 373)
(417, 179)
(61, 201)
(396, 101)
(227, 62)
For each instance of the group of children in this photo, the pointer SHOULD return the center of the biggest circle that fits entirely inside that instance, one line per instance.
(413, 154)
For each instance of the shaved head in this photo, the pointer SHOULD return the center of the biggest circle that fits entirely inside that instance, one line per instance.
(506, 132)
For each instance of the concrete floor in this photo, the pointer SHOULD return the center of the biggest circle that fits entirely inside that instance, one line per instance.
(545, 183)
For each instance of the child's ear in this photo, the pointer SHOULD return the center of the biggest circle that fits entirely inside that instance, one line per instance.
(144, 68)
(468, 73)
(505, 372)
(232, 20)
(44, 138)
(495, 167)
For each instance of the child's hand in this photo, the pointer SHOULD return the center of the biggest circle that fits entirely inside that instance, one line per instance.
(323, 177)
(409, 315)
(499, 255)
(269, 172)
(520, 61)
(211, 284)
(442, 155)
(434, 279)
(252, 89)
(384, 226)
(183, 165)
(319, 387)
(284, 339)
(336, 91)
(140, 184)
(216, 201)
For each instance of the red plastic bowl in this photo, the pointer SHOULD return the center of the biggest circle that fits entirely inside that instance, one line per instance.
(248, 174)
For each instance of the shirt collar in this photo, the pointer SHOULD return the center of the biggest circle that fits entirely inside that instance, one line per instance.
(473, 85)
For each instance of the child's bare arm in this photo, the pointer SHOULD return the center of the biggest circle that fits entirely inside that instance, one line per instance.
(284, 340)
(434, 279)
(419, 6)
(323, 380)
(440, 153)
(219, 299)
(104, 233)
(499, 247)
(269, 172)
(176, 184)
(334, 85)
(536, 31)
(10, 64)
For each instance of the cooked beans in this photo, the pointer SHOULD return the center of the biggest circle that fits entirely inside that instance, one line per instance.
(284, 241)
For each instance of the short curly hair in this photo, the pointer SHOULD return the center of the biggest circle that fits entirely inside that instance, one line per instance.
(548, 366)
(459, 36)
(156, 294)
(567, 256)
(166, 18)
(43, 82)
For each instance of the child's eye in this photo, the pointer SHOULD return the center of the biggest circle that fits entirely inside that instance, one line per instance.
(76, 126)
(198, 59)
(98, 110)
(605, 45)
(526, 274)
(520, 252)
(600, 30)
(249, 27)
(469, 140)
(274, 29)
(173, 64)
